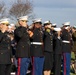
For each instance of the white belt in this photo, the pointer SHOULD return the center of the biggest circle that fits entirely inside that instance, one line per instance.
(64, 41)
(13, 73)
(37, 43)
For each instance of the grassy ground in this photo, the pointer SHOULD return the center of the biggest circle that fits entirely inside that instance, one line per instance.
(72, 55)
(72, 60)
(72, 74)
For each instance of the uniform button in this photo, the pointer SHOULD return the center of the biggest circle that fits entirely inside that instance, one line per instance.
(51, 44)
(7, 41)
(64, 44)
(8, 47)
(1, 53)
(23, 46)
(4, 40)
(35, 46)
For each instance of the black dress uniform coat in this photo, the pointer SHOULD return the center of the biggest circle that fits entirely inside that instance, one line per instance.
(23, 42)
(48, 41)
(66, 36)
(58, 45)
(37, 50)
(5, 48)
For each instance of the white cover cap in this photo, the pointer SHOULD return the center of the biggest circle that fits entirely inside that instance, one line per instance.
(5, 20)
(66, 23)
(54, 24)
(37, 20)
(46, 22)
(12, 24)
(23, 18)
(57, 29)
(74, 26)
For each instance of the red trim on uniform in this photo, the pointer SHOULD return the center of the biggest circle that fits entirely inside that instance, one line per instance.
(64, 64)
(19, 62)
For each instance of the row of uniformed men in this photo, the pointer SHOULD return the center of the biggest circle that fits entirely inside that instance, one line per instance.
(44, 44)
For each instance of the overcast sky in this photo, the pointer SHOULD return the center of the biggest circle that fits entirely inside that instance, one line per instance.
(57, 11)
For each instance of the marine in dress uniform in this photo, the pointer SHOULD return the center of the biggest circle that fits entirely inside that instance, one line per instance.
(37, 51)
(57, 51)
(48, 48)
(5, 48)
(22, 37)
(66, 47)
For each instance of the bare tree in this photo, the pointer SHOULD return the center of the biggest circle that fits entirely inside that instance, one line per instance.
(2, 9)
(1, 6)
(21, 8)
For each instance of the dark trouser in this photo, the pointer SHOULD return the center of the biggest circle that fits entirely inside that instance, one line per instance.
(57, 64)
(5, 69)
